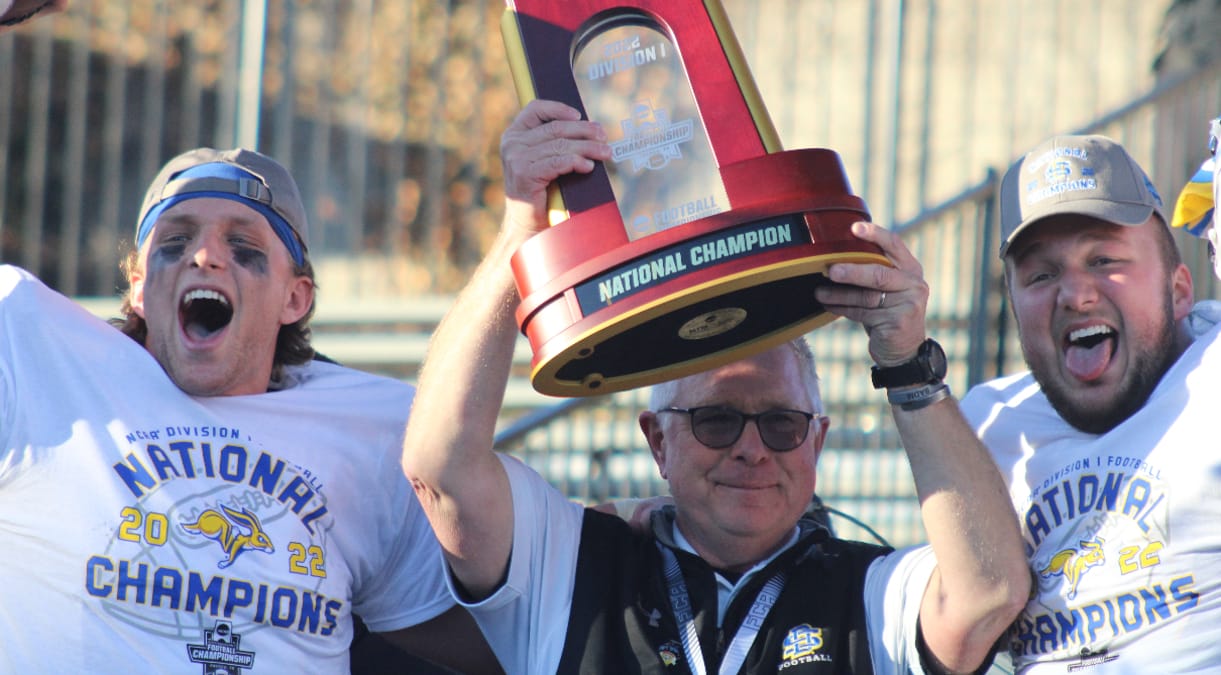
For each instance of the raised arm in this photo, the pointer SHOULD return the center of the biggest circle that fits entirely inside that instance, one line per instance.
(447, 453)
(982, 580)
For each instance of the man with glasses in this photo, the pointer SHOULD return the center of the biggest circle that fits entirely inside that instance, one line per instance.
(731, 578)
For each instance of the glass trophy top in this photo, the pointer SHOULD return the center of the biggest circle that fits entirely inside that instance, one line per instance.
(632, 81)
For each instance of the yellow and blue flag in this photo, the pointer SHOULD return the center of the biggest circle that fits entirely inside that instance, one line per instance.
(1194, 209)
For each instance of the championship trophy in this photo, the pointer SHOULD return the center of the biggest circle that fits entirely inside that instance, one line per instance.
(701, 241)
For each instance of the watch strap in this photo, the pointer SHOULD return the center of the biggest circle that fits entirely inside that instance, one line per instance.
(918, 397)
(919, 369)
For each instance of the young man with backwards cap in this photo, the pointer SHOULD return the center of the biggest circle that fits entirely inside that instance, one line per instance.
(199, 493)
(1106, 441)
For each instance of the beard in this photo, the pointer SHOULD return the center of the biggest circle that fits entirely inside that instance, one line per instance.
(1146, 370)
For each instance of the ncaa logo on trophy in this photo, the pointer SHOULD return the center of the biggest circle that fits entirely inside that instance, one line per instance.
(701, 241)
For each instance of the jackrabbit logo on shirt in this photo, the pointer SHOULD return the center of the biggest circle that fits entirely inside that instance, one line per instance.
(235, 531)
(1071, 563)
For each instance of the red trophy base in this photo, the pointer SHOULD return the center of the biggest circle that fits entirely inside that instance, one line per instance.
(692, 297)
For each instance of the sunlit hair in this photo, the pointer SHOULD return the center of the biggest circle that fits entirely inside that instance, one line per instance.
(664, 394)
(292, 343)
(1171, 257)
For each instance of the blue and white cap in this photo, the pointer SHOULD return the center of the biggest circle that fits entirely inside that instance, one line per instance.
(245, 176)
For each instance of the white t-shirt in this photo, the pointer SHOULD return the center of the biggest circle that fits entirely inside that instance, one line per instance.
(1123, 530)
(143, 530)
(525, 621)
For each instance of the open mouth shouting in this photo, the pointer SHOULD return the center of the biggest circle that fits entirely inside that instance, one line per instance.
(1088, 351)
(203, 314)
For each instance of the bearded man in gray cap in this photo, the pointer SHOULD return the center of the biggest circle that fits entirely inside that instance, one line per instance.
(196, 491)
(1105, 441)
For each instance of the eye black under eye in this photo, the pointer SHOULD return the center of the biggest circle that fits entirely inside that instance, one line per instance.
(251, 258)
(170, 251)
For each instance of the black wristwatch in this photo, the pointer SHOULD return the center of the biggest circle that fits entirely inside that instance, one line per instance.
(928, 366)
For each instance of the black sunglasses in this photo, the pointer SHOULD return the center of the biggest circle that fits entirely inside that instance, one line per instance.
(720, 427)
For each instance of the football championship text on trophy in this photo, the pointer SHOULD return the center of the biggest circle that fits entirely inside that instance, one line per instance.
(701, 241)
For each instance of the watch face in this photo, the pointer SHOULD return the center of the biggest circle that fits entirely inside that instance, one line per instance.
(936, 359)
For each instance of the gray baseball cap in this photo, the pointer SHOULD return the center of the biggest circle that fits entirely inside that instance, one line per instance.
(241, 175)
(1079, 175)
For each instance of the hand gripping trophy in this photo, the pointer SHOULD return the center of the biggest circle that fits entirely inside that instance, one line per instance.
(701, 241)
